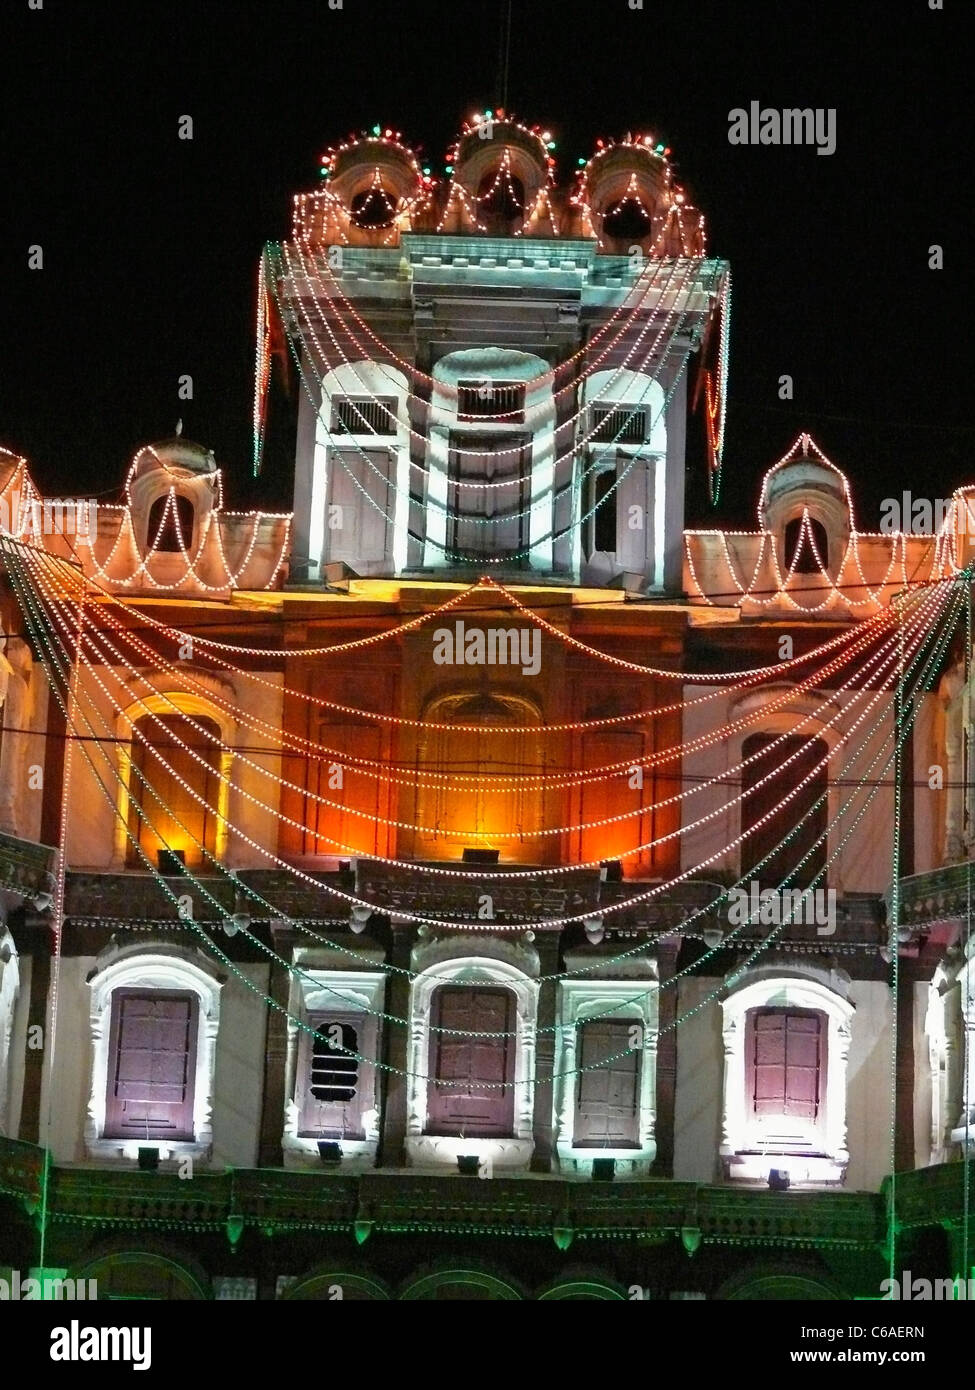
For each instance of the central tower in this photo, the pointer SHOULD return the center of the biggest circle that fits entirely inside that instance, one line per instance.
(494, 370)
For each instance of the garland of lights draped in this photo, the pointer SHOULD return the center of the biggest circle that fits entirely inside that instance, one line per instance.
(935, 658)
(114, 656)
(111, 659)
(935, 653)
(452, 873)
(349, 444)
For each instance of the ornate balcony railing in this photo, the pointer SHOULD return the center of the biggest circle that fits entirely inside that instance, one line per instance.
(623, 905)
(25, 866)
(938, 895)
(270, 1201)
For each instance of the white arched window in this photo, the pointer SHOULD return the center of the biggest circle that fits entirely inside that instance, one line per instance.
(622, 500)
(471, 1067)
(332, 1078)
(491, 459)
(154, 1017)
(605, 1074)
(353, 509)
(786, 1049)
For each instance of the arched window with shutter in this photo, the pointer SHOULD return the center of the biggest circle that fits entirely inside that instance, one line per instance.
(174, 787)
(471, 1086)
(785, 841)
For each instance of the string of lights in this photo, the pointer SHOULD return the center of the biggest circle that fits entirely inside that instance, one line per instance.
(525, 925)
(944, 639)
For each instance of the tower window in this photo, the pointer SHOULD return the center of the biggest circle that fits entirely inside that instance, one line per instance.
(171, 523)
(364, 415)
(801, 556)
(618, 424)
(601, 511)
(482, 518)
(503, 401)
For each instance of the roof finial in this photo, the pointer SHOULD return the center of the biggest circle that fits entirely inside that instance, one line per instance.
(179, 428)
(805, 441)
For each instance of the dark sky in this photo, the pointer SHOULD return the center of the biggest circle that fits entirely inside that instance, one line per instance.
(151, 243)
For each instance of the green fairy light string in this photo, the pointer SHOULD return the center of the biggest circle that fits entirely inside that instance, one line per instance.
(299, 1023)
(438, 922)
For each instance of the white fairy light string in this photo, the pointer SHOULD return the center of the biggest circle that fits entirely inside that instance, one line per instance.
(415, 828)
(372, 817)
(519, 926)
(755, 953)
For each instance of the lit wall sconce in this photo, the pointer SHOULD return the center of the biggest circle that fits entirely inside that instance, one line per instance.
(360, 916)
(148, 1160)
(778, 1179)
(329, 1151)
(594, 930)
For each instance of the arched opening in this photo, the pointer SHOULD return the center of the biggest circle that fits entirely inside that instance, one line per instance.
(628, 219)
(164, 813)
(784, 841)
(374, 207)
(136, 1274)
(806, 546)
(466, 806)
(336, 1285)
(501, 200)
(460, 1284)
(171, 523)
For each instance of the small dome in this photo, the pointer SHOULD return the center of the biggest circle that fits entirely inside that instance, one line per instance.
(805, 480)
(177, 455)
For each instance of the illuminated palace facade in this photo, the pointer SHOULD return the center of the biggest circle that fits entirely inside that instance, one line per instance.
(474, 883)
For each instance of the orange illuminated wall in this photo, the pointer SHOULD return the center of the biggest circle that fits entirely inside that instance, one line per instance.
(461, 803)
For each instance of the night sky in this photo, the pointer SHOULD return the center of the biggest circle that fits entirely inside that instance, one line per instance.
(151, 243)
